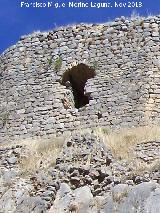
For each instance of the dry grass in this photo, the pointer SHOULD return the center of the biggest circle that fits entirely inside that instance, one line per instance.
(74, 207)
(40, 154)
(118, 197)
(155, 166)
(139, 168)
(122, 142)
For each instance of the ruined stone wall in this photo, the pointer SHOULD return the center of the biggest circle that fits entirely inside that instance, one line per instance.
(125, 91)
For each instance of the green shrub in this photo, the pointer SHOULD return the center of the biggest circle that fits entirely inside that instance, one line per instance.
(94, 65)
(4, 118)
(58, 64)
(49, 61)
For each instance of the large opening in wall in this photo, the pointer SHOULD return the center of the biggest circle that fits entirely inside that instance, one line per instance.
(76, 78)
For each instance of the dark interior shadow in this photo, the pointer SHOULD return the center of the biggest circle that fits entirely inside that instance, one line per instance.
(78, 76)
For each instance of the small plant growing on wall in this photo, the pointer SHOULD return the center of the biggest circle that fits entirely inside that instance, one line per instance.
(49, 61)
(94, 65)
(4, 118)
(105, 130)
(58, 64)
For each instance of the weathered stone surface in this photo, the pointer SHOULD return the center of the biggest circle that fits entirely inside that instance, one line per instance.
(63, 199)
(124, 92)
(136, 197)
(83, 198)
(80, 180)
(120, 52)
(133, 199)
(12, 160)
(152, 204)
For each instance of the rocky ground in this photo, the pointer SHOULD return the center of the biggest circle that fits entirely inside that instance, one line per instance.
(86, 177)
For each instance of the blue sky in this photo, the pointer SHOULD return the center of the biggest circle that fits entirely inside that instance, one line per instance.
(16, 20)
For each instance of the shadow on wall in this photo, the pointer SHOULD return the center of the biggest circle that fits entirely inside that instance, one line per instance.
(76, 77)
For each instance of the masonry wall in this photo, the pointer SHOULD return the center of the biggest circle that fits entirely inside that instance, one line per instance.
(125, 55)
